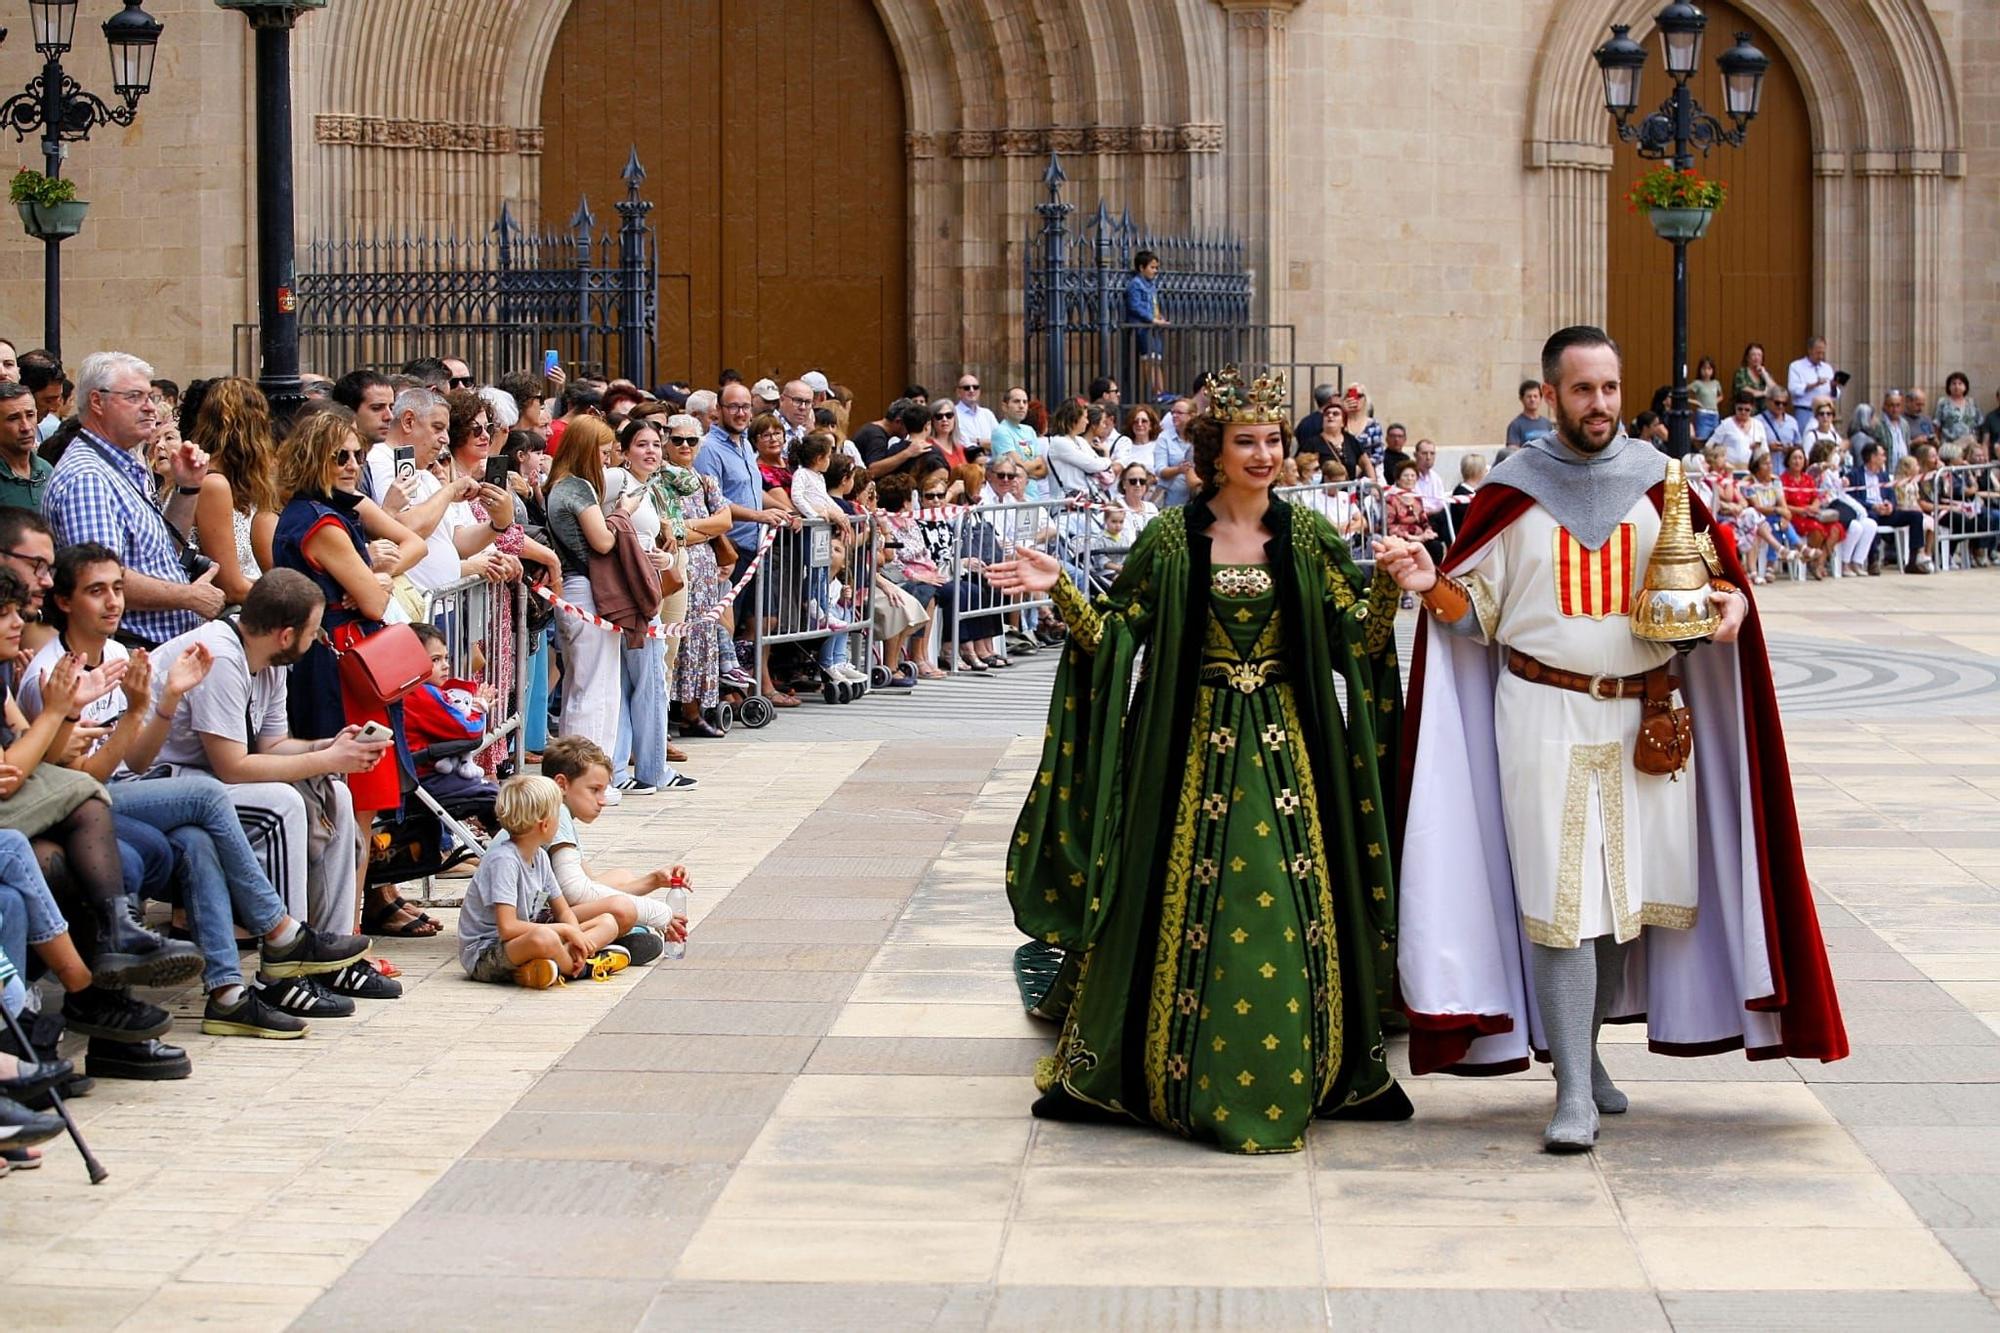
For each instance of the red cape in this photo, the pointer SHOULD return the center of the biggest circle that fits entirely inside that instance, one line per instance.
(1803, 993)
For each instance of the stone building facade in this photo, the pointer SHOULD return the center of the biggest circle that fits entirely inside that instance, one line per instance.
(1423, 184)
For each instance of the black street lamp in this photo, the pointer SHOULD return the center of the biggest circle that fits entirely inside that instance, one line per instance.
(1673, 132)
(54, 106)
(277, 262)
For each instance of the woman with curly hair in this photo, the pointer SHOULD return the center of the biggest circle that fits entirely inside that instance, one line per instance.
(237, 511)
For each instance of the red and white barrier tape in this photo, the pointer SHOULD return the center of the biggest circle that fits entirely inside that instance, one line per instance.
(678, 629)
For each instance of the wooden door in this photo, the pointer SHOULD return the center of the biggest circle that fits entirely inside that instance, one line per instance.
(1750, 278)
(772, 135)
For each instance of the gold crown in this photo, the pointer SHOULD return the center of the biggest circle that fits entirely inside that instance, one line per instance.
(1262, 400)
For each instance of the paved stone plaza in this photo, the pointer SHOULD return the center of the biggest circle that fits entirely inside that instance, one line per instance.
(819, 1118)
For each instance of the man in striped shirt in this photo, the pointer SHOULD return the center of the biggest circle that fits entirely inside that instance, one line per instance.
(102, 492)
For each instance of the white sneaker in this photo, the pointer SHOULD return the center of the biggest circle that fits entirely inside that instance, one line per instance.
(611, 796)
(848, 673)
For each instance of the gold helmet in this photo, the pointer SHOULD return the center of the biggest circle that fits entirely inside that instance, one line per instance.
(1260, 401)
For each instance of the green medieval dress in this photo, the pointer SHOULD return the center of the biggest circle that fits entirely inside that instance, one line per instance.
(1206, 841)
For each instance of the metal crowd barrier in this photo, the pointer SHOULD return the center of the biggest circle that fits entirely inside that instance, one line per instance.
(1070, 530)
(793, 587)
(1356, 509)
(1967, 496)
(485, 625)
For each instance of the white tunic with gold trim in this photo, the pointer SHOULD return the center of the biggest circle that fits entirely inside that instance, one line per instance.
(1598, 848)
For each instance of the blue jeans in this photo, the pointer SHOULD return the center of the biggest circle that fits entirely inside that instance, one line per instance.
(833, 648)
(146, 859)
(28, 911)
(535, 711)
(641, 749)
(223, 882)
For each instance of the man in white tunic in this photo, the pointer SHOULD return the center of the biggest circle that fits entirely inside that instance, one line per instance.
(1595, 850)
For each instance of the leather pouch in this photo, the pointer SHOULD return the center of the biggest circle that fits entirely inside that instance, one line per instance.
(1666, 733)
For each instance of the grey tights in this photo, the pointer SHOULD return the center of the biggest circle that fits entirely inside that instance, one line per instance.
(1574, 989)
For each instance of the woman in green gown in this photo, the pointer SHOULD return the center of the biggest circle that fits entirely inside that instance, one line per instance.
(1206, 842)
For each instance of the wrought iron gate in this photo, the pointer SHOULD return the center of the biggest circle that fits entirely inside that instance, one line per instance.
(497, 301)
(1074, 286)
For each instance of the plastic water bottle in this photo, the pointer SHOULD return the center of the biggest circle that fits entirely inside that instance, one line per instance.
(677, 903)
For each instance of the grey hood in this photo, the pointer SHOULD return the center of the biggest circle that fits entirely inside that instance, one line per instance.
(1588, 494)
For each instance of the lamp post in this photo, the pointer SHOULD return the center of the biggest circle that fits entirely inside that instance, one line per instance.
(54, 106)
(1673, 132)
(277, 263)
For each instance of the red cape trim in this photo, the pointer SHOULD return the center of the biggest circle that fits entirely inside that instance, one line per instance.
(1803, 992)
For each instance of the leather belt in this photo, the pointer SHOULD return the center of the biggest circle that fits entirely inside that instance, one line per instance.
(1599, 687)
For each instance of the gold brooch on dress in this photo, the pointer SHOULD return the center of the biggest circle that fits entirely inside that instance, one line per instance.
(1242, 581)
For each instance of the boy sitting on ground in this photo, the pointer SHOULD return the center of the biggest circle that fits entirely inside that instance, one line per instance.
(515, 925)
(582, 772)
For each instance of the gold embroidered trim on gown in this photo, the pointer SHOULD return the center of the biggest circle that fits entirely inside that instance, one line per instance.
(1602, 766)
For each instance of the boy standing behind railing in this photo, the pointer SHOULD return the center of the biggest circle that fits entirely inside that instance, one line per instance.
(1142, 307)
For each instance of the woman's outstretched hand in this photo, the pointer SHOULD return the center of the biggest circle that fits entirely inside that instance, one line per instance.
(1030, 571)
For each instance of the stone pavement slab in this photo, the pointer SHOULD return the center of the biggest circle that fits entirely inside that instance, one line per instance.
(818, 1118)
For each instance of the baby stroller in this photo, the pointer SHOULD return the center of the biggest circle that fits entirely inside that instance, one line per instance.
(412, 846)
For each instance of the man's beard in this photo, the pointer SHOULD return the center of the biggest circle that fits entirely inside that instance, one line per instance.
(1572, 431)
(291, 656)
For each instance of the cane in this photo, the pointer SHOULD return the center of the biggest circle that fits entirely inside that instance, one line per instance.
(90, 1162)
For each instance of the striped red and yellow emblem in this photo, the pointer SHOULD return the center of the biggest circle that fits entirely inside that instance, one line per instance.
(1596, 583)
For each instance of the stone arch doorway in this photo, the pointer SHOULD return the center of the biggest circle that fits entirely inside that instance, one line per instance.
(780, 182)
(1886, 200)
(1750, 278)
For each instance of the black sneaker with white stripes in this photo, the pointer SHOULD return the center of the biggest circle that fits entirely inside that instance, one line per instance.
(250, 1016)
(360, 981)
(634, 787)
(305, 997)
(679, 782)
(311, 953)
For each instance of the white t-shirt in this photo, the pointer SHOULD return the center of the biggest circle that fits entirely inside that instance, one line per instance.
(645, 519)
(231, 703)
(1740, 443)
(439, 566)
(381, 469)
(1128, 451)
(104, 712)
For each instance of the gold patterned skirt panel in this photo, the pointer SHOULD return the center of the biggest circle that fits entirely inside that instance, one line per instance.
(1244, 1030)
